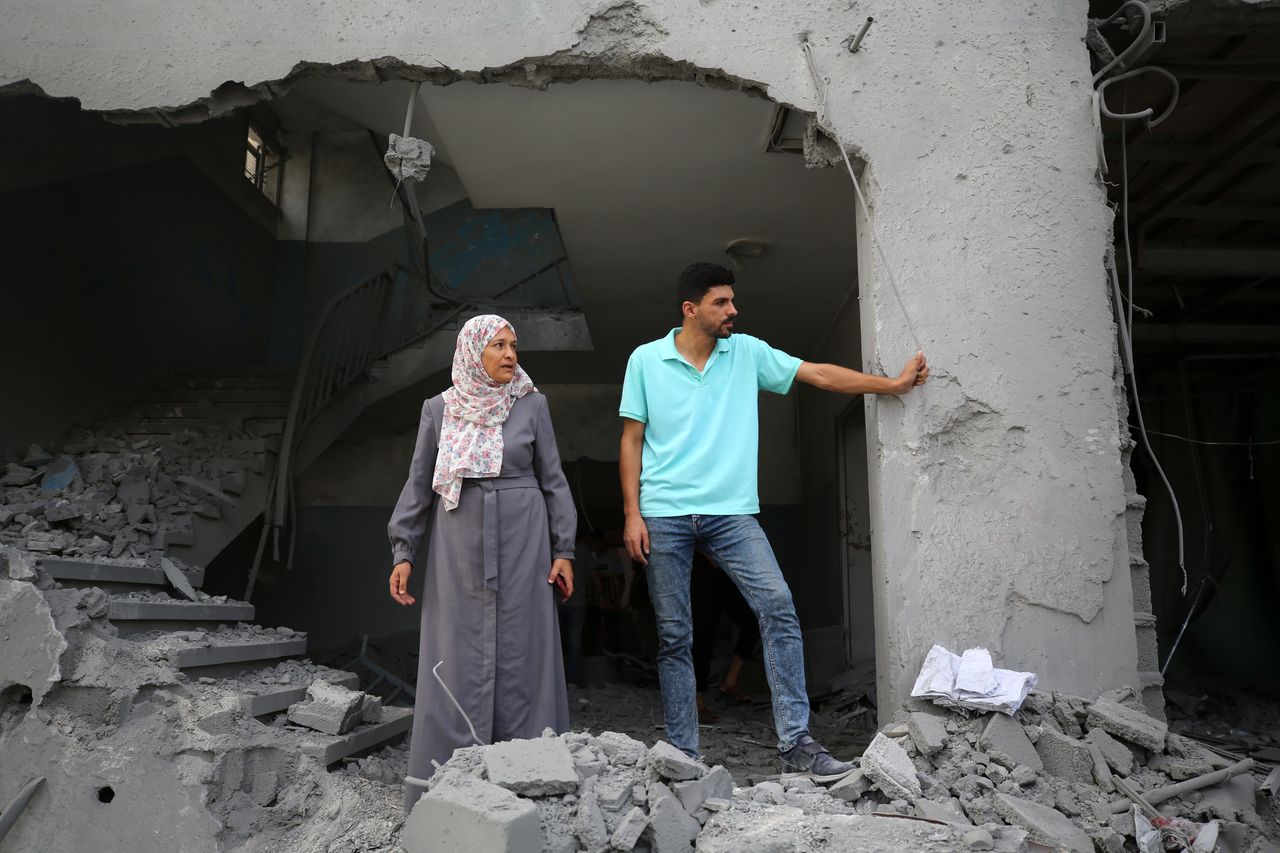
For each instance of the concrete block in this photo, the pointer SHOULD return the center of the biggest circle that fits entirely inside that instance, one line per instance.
(533, 768)
(621, 749)
(628, 831)
(21, 566)
(1117, 755)
(716, 804)
(979, 839)
(948, 811)
(270, 702)
(1005, 741)
(1065, 757)
(928, 731)
(852, 787)
(1043, 824)
(328, 708)
(463, 814)
(890, 769)
(588, 820)
(670, 763)
(693, 793)
(1128, 724)
(395, 722)
(614, 793)
(670, 829)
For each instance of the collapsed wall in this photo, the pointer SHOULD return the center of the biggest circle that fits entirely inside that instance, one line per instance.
(138, 755)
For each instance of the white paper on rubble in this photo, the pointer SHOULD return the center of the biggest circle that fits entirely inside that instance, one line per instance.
(937, 676)
(943, 674)
(976, 676)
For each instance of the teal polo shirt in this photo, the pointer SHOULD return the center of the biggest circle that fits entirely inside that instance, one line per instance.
(702, 430)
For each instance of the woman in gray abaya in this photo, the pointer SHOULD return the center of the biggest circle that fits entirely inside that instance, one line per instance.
(487, 515)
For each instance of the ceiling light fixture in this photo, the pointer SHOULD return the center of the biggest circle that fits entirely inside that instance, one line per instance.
(745, 247)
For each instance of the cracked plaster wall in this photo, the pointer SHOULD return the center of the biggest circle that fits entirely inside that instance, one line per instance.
(997, 491)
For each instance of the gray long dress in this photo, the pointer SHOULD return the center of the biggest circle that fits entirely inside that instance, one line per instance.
(487, 609)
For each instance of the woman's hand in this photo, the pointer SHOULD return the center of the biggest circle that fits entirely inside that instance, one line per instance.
(562, 576)
(400, 583)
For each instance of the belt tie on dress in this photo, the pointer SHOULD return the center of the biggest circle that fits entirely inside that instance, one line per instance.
(491, 486)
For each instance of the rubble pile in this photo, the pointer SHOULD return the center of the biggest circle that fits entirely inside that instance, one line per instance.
(1060, 771)
(576, 791)
(140, 755)
(123, 496)
(1243, 722)
(1056, 776)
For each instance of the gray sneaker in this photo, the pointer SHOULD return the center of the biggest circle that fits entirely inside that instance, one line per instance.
(810, 758)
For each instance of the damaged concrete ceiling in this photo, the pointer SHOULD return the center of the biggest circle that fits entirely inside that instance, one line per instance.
(643, 178)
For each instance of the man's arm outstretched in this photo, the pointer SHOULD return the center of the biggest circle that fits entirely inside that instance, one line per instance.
(842, 380)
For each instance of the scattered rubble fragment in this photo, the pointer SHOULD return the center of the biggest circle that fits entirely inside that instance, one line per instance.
(123, 495)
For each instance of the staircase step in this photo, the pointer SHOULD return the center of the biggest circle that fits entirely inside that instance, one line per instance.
(172, 411)
(257, 427)
(395, 722)
(277, 700)
(66, 568)
(178, 611)
(232, 383)
(216, 396)
(219, 651)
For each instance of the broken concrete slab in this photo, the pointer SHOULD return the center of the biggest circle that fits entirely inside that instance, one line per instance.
(395, 722)
(694, 792)
(588, 820)
(532, 768)
(463, 814)
(928, 731)
(1064, 756)
(621, 749)
(670, 828)
(890, 769)
(1045, 825)
(670, 763)
(328, 708)
(177, 579)
(852, 787)
(1006, 742)
(1128, 724)
(947, 812)
(628, 831)
(1118, 756)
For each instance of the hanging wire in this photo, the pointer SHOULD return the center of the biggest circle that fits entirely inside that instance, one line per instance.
(824, 121)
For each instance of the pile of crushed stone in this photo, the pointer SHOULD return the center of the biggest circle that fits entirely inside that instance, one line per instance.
(1059, 774)
(120, 496)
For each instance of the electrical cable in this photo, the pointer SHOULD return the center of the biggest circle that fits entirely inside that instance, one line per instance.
(1124, 318)
(1126, 344)
(1215, 443)
(824, 121)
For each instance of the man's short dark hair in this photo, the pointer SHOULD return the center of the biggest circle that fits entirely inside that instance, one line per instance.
(697, 279)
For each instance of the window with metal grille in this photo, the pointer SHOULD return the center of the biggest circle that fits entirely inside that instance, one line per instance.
(262, 165)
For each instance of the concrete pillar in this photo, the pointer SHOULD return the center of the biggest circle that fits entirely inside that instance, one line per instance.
(997, 498)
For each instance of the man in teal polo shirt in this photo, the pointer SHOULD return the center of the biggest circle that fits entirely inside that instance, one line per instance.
(690, 437)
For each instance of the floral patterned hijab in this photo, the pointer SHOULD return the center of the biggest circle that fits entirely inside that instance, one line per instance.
(475, 409)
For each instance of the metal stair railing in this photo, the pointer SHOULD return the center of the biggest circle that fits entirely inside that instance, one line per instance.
(366, 322)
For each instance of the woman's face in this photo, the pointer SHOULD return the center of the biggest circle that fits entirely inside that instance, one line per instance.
(499, 356)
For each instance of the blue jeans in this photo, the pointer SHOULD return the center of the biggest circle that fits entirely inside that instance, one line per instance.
(739, 547)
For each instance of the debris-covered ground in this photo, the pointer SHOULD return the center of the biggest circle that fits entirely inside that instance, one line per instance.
(146, 739)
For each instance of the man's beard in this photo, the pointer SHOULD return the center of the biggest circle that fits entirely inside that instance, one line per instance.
(717, 330)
